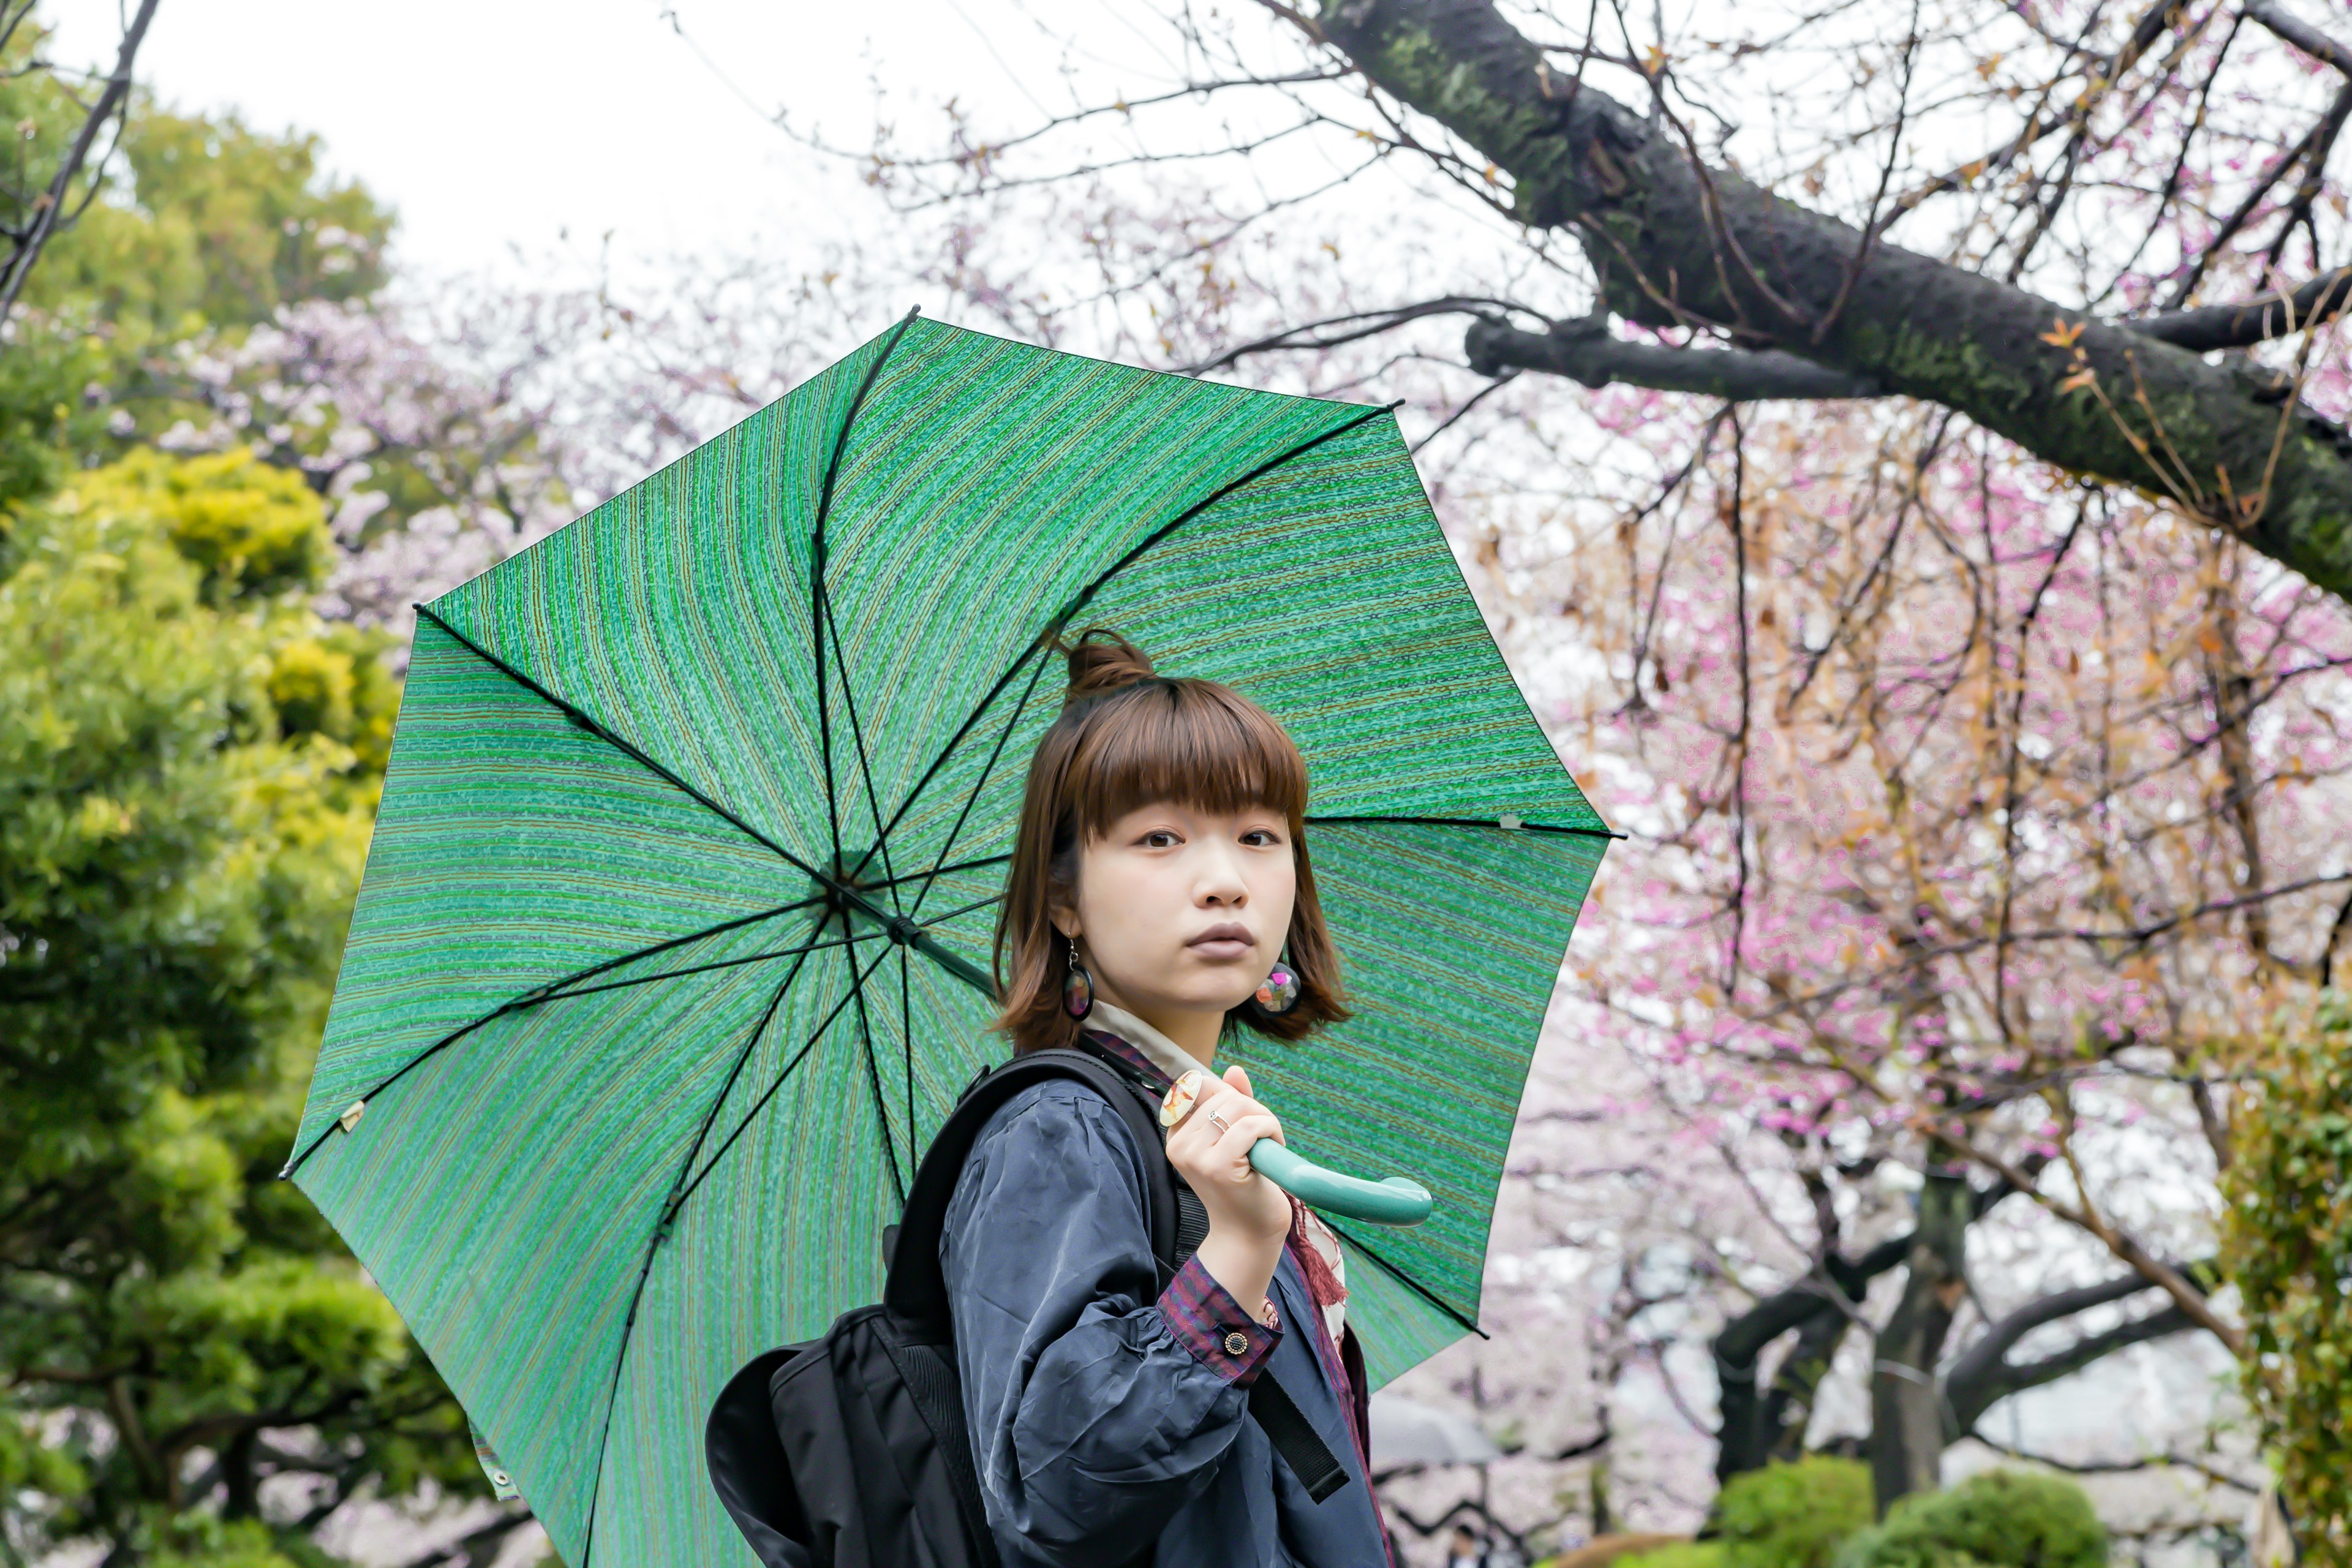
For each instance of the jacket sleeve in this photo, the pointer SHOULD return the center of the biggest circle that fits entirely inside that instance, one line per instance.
(1099, 1407)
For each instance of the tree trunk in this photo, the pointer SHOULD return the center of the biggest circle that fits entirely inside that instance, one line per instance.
(1759, 1425)
(1906, 1403)
(239, 1476)
(1677, 243)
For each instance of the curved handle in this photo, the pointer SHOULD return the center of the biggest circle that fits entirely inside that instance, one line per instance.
(1395, 1201)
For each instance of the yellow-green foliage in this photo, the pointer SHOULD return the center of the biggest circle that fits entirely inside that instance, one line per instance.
(1793, 1516)
(200, 1541)
(1681, 1555)
(189, 763)
(250, 529)
(2287, 1246)
(2002, 1519)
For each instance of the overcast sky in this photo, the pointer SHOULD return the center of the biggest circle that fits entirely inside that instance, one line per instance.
(492, 124)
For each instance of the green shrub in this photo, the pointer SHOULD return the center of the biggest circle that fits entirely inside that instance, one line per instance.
(2287, 1246)
(1681, 1555)
(1793, 1516)
(2004, 1519)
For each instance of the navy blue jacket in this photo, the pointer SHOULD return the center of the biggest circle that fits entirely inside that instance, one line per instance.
(1108, 1417)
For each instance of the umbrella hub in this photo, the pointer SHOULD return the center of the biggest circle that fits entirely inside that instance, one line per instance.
(856, 890)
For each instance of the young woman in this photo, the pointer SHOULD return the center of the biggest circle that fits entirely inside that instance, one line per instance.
(1159, 876)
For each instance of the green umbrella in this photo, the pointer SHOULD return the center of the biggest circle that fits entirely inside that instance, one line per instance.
(673, 948)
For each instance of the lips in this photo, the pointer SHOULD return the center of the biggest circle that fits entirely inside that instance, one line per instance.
(1226, 940)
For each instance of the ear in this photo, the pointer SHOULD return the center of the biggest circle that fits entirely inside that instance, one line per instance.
(1065, 920)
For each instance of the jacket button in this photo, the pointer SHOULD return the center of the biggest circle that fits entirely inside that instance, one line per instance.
(1237, 1343)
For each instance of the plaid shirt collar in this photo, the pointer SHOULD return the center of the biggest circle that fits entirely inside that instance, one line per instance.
(1135, 1061)
(1120, 1033)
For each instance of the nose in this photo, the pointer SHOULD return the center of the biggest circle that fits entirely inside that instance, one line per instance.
(1222, 884)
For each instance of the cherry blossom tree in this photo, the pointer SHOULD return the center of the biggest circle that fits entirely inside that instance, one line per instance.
(1898, 444)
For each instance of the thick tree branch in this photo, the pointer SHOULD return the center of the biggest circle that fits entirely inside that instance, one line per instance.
(1584, 351)
(1983, 1375)
(1677, 243)
(2254, 322)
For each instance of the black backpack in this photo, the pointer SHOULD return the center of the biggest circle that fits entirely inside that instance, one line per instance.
(851, 1451)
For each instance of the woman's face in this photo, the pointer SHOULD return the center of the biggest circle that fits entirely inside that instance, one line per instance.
(1183, 910)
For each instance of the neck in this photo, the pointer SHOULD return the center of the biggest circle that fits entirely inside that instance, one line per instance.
(1196, 1033)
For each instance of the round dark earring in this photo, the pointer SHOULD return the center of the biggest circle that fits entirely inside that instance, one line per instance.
(1078, 986)
(1280, 990)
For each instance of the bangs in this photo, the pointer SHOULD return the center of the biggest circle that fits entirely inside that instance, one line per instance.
(1194, 743)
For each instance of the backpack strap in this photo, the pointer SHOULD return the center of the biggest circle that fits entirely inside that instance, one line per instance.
(917, 1293)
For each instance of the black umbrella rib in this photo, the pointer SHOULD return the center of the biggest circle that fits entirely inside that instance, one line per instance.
(874, 1080)
(967, 909)
(907, 1050)
(552, 991)
(761, 1104)
(963, 815)
(972, 865)
(653, 1247)
(1078, 602)
(1474, 822)
(817, 596)
(1424, 1291)
(718, 1102)
(803, 950)
(627, 747)
(864, 769)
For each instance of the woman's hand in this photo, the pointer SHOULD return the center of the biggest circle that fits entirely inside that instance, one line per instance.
(1248, 1216)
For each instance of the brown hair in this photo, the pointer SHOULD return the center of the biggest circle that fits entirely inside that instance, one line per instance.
(1127, 737)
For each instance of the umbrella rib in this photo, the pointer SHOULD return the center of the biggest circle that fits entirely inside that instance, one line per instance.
(742, 1059)
(1424, 1291)
(972, 799)
(1070, 610)
(817, 596)
(542, 993)
(907, 1050)
(800, 952)
(1473, 822)
(967, 909)
(653, 1250)
(761, 1104)
(874, 1078)
(866, 771)
(627, 747)
(938, 871)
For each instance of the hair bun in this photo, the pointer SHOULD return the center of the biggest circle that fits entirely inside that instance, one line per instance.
(1101, 660)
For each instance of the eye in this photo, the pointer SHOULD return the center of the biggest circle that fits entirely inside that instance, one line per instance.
(1160, 839)
(1263, 838)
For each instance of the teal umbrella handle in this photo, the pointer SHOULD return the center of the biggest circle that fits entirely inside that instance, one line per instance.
(1395, 1201)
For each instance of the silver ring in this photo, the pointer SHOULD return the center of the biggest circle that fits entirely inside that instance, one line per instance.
(1217, 1119)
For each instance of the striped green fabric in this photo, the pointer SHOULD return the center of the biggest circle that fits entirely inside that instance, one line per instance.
(636, 1103)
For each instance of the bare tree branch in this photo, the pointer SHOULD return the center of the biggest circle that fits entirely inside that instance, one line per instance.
(49, 206)
(2302, 35)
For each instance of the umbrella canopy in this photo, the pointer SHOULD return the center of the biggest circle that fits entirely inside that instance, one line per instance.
(673, 948)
